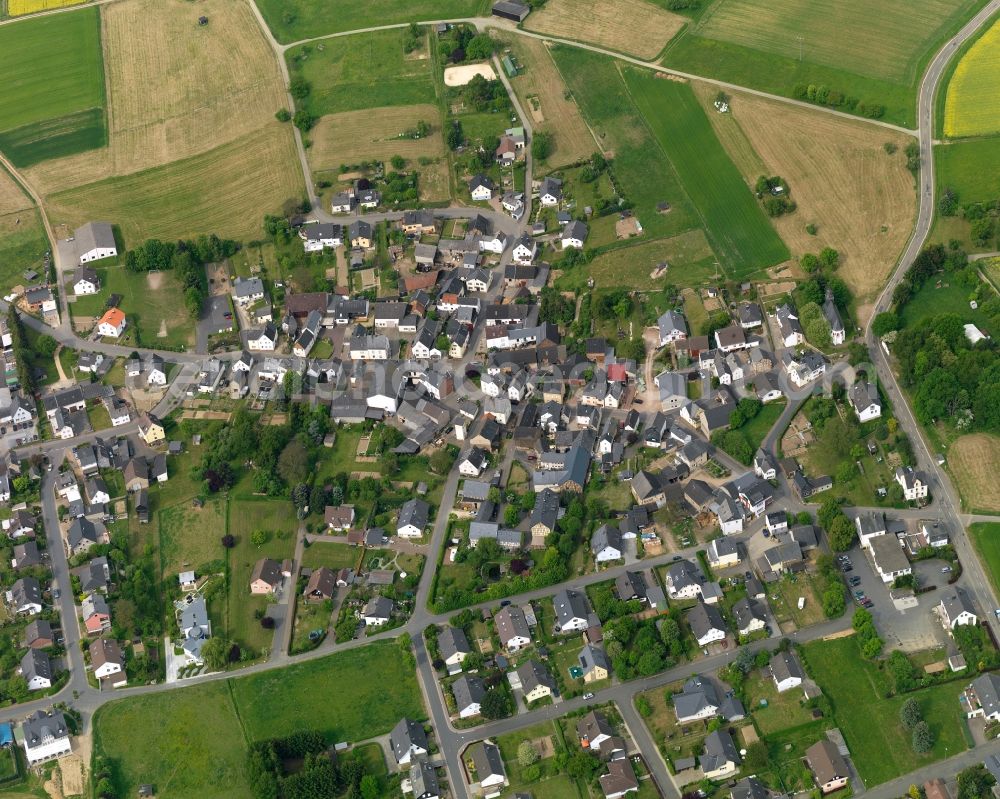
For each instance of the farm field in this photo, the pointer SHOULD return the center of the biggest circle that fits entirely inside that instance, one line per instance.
(293, 20)
(542, 92)
(354, 136)
(734, 221)
(971, 168)
(189, 536)
(18, 8)
(23, 243)
(55, 106)
(175, 89)
(225, 191)
(149, 301)
(861, 199)
(879, 745)
(614, 26)
(367, 70)
(974, 460)
(197, 726)
(986, 539)
(972, 99)
(641, 167)
(281, 701)
(774, 46)
(689, 255)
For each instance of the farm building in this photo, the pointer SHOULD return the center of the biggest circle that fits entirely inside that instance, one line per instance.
(94, 241)
(507, 9)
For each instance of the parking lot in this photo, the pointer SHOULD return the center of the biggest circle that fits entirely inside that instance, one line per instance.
(913, 629)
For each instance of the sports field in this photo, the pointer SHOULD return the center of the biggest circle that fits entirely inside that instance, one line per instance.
(52, 96)
(640, 165)
(975, 461)
(367, 70)
(294, 20)
(354, 136)
(971, 168)
(736, 226)
(175, 88)
(226, 191)
(972, 102)
(861, 199)
(544, 96)
(18, 8)
(635, 27)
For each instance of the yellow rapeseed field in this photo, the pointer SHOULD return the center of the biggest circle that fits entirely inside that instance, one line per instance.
(972, 105)
(18, 8)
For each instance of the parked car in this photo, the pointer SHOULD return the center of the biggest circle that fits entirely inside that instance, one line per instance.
(588, 695)
(945, 569)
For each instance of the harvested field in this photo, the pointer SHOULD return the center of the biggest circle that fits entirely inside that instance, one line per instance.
(636, 27)
(862, 200)
(175, 89)
(18, 8)
(975, 461)
(12, 198)
(847, 35)
(355, 136)
(224, 191)
(460, 75)
(972, 104)
(543, 94)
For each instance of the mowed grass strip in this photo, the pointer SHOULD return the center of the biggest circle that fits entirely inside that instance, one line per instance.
(18, 8)
(862, 199)
(879, 745)
(224, 191)
(734, 221)
(294, 20)
(975, 461)
(348, 696)
(193, 747)
(845, 35)
(367, 70)
(972, 102)
(986, 539)
(635, 27)
(640, 165)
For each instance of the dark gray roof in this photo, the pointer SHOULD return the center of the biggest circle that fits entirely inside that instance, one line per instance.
(784, 665)
(452, 640)
(486, 758)
(703, 619)
(570, 604)
(468, 689)
(36, 663)
(408, 735)
(697, 695)
(41, 725)
(415, 512)
(719, 750)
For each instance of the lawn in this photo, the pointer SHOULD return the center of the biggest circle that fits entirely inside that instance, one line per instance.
(784, 597)
(368, 70)
(777, 46)
(757, 428)
(783, 710)
(550, 782)
(972, 100)
(879, 745)
(970, 168)
(380, 683)
(293, 20)
(733, 219)
(52, 103)
(195, 748)
(246, 515)
(974, 459)
(951, 298)
(23, 245)
(986, 539)
(331, 555)
(644, 174)
(689, 257)
(149, 300)
(190, 537)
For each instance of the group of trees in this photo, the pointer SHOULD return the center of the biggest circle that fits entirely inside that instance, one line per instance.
(318, 776)
(840, 530)
(732, 440)
(486, 95)
(462, 43)
(824, 95)
(866, 634)
(832, 589)
(22, 352)
(952, 379)
(187, 259)
(775, 195)
(912, 719)
(982, 217)
(542, 145)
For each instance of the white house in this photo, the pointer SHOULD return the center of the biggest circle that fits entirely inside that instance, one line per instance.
(706, 624)
(473, 464)
(606, 544)
(45, 736)
(913, 483)
(789, 326)
(865, 401)
(481, 188)
(672, 327)
(956, 610)
(94, 241)
(112, 324)
(107, 662)
(378, 611)
(550, 192)
(524, 250)
(85, 281)
(786, 671)
(574, 235)
(263, 339)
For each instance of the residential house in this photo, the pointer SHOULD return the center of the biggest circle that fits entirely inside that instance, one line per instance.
(889, 558)
(265, 577)
(321, 586)
(550, 192)
(789, 327)
(606, 544)
(96, 614)
(706, 624)
(112, 323)
(956, 609)
(36, 669)
(914, 483)
(595, 663)
(25, 597)
(38, 635)
(408, 741)
(786, 671)
(534, 681)
(453, 646)
(378, 611)
(414, 516)
(572, 611)
(719, 758)
(630, 585)
(723, 553)
(865, 400)
(828, 766)
(574, 235)
(107, 662)
(339, 517)
(488, 764)
(672, 326)
(512, 628)
(749, 616)
(424, 781)
(85, 281)
(481, 188)
(619, 781)
(697, 700)
(45, 736)
(683, 580)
